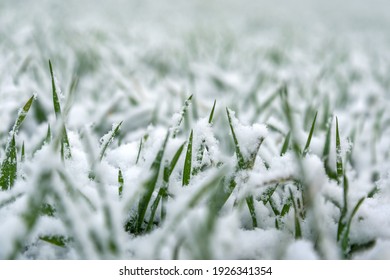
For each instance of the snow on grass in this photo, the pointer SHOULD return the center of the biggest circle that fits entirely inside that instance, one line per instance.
(193, 129)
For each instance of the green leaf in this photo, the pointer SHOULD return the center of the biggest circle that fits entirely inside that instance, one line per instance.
(22, 115)
(9, 167)
(182, 114)
(240, 157)
(57, 240)
(339, 159)
(285, 144)
(108, 139)
(56, 101)
(65, 146)
(188, 162)
(149, 186)
(344, 210)
(169, 168)
(306, 149)
(120, 182)
(212, 112)
(298, 232)
(251, 206)
(345, 241)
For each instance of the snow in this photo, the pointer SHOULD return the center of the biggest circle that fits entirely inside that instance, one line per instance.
(139, 65)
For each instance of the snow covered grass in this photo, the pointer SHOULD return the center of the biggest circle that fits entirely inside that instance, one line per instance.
(126, 133)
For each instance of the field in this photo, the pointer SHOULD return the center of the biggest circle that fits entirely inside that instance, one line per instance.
(194, 129)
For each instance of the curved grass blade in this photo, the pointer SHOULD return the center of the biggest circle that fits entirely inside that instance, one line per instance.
(182, 114)
(345, 242)
(150, 186)
(306, 149)
(108, 139)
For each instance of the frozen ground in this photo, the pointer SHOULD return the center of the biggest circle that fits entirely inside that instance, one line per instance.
(100, 178)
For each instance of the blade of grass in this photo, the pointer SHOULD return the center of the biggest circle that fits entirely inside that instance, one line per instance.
(345, 242)
(298, 232)
(251, 206)
(120, 182)
(182, 114)
(306, 149)
(339, 159)
(150, 186)
(240, 157)
(212, 112)
(344, 210)
(188, 162)
(9, 167)
(108, 139)
(285, 144)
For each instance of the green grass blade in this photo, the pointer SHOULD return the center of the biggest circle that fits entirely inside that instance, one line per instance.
(182, 114)
(150, 186)
(188, 162)
(139, 151)
(306, 149)
(108, 139)
(251, 206)
(212, 112)
(240, 157)
(339, 159)
(56, 101)
(298, 231)
(9, 167)
(285, 144)
(169, 168)
(57, 240)
(23, 153)
(344, 210)
(22, 115)
(345, 242)
(65, 146)
(120, 183)
(10, 200)
(153, 210)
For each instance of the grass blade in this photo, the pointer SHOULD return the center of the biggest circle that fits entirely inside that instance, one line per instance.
(285, 144)
(188, 162)
(150, 186)
(251, 206)
(56, 101)
(339, 159)
(240, 157)
(182, 114)
(345, 242)
(298, 232)
(120, 183)
(9, 167)
(212, 112)
(306, 149)
(108, 139)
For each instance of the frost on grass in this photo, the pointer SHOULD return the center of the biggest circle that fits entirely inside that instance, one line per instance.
(253, 189)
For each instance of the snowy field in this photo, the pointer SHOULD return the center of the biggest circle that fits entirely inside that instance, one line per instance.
(194, 129)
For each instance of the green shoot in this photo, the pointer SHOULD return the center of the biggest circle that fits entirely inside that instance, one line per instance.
(108, 139)
(187, 162)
